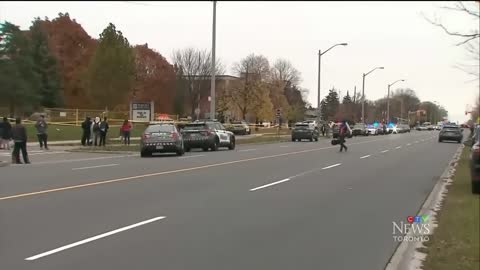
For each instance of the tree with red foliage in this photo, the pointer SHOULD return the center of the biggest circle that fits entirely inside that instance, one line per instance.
(154, 79)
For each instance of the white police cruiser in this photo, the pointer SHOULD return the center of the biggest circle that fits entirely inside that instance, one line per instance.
(207, 134)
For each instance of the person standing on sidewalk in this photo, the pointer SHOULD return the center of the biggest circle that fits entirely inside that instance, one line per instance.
(125, 130)
(96, 131)
(42, 135)
(19, 135)
(86, 131)
(103, 131)
(5, 134)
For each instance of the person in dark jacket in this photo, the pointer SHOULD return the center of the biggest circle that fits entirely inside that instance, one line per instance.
(19, 135)
(86, 126)
(96, 130)
(342, 133)
(103, 131)
(42, 135)
(5, 134)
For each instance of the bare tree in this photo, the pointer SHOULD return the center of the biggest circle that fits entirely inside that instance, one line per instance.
(195, 65)
(468, 38)
(283, 70)
(256, 65)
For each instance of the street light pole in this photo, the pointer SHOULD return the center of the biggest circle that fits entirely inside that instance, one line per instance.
(212, 83)
(388, 98)
(319, 116)
(363, 91)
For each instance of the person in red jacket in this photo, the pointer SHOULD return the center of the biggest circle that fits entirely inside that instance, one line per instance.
(125, 130)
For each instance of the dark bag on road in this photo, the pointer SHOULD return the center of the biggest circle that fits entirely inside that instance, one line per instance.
(335, 141)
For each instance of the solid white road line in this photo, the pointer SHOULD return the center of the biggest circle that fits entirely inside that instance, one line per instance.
(331, 166)
(271, 184)
(92, 167)
(283, 146)
(80, 159)
(247, 150)
(92, 239)
(416, 142)
(398, 147)
(365, 157)
(384, 151)
(408, 144)
(191, 156)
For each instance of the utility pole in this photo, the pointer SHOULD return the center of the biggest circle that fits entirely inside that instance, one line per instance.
(212, 83)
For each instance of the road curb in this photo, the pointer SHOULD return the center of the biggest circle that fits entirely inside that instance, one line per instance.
(406, 255)
(103, 152)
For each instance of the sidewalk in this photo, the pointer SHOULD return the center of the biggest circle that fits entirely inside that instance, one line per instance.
(77, 142)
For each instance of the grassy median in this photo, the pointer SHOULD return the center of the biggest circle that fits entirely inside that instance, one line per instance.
(455, 242)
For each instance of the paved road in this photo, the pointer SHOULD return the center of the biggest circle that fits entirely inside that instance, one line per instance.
(273, 206)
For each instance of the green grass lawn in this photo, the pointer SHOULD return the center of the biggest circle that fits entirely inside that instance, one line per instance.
(455, 242)
(66, 133)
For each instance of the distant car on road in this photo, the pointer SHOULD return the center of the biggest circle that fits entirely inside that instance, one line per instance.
(207, 134)
(372, 130)
(162, 138)
(360, 129)
(304, 131)
(450, 133)
(240, 128)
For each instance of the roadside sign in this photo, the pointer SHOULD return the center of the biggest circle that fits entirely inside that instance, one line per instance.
(141, 111)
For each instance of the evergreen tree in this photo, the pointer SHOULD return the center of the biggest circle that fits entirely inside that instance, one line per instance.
(18, 80)
(111, 72)
(45, 65)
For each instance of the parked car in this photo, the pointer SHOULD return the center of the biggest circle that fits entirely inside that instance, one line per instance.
(240, 128)
(304, 131)
(450, 133)
(372, 130)
(475, 162)
(360, 129)
(162, 138)
(207, 134)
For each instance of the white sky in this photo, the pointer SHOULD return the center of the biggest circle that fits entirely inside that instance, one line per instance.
(389, 34)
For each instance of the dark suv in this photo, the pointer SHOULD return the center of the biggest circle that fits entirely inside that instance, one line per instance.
(162, 138)
(207, 135)
(304, 131)
(450, 133)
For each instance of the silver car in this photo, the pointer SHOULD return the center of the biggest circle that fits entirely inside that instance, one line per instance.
(161, 138)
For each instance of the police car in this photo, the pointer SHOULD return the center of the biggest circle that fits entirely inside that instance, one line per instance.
(207, 134)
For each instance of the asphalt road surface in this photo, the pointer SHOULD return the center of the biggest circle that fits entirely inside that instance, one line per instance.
(272, 206)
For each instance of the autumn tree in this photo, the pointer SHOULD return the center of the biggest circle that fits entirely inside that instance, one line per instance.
(111, 72)
(256, 66)
(73, 49)
(45, 65)
(262, 106)
(19, 82)
(154, 79)
(195, 67)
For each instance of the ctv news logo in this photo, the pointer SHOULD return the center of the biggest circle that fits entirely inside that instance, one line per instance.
(416, 229)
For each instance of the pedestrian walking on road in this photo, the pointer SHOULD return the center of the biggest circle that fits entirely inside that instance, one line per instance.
(96, 130)
(19, 135)
(343, 132)
(125, 130)
(103, 131)
(5, 134)
(42, 135)
(86, 131)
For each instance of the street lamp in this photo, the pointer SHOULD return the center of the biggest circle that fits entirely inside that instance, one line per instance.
(388, 98)
(212, 82)
(319, 68)
(363, 91)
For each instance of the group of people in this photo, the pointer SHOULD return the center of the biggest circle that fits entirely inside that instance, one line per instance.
(17, 135)
(95, 132)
